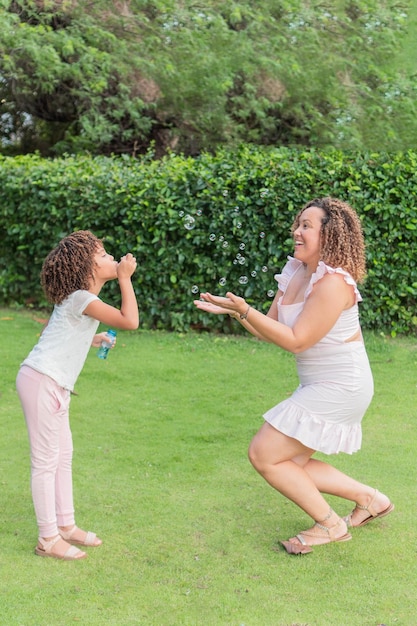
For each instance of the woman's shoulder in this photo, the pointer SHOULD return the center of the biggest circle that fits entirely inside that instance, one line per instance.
(326, 270)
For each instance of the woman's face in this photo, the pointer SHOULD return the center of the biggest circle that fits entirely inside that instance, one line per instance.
(307, 236)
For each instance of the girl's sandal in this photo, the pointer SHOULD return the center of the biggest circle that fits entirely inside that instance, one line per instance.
(373, 514)
(319, 533)
(90, 539)
(46, 548)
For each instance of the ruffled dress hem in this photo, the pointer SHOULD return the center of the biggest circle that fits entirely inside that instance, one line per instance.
(312, 431)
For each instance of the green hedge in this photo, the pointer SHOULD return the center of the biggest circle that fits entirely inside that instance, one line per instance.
(240, 207)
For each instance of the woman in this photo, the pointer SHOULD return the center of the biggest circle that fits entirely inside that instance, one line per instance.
(315, 316)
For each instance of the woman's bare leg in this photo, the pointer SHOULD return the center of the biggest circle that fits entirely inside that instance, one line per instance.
(281, 461)
(330, 480)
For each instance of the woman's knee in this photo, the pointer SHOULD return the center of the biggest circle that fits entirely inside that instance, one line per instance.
(271, 447)
(257, 454)
(252, 453)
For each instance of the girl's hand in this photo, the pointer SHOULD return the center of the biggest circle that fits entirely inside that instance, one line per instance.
(99, 338)
(126, 266)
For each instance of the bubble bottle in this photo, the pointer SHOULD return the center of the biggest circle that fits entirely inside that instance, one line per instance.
(107, 344)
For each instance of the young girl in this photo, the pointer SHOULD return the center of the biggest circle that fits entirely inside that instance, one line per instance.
(72, 277)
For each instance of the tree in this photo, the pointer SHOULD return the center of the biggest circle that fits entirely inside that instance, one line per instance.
(120, 77)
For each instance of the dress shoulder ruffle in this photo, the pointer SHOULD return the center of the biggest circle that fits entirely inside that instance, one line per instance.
(288, 271)
(322, 269)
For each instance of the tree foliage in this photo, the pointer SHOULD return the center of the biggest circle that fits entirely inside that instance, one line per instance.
(118, 77)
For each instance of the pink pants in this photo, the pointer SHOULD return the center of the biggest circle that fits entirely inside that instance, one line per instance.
(46, 408)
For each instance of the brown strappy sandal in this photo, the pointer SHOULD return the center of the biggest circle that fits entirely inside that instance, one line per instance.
(325, 534)
(373, 514)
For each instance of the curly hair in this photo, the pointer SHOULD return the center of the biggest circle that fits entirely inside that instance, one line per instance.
(69, 266)
(341, 242)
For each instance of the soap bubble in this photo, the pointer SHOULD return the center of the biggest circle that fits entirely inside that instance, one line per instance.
(243, 280)
(189, 222)
(225, 244)
(270, 293)
(212, 237)
(242, 246)
(253, 274)
(264, 268)
(242, 260)
(199, 212)
(194, 289)
(262, 235)
(222, 281)
(181, 213)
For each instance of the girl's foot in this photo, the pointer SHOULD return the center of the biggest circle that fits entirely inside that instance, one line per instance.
(372, 507)
(332, 528)
(78, 537)
(57, 548)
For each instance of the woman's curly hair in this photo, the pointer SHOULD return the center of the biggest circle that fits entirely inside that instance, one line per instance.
(69, 266)
(342, 243)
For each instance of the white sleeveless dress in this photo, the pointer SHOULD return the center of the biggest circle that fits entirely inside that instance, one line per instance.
(336, 385)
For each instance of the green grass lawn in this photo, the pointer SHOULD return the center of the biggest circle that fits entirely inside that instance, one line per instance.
(190, 530)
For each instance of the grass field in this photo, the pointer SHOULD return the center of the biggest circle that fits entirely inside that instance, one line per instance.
(190, 530)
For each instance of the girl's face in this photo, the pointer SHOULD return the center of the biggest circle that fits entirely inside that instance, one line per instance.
(105, 267)
(307, 236)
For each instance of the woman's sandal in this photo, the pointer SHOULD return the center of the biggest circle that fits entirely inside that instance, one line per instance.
(373, 514)
(325, 535)
(46, 548)
(90, 540)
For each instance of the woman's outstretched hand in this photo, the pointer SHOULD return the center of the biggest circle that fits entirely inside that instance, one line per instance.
(220, 305)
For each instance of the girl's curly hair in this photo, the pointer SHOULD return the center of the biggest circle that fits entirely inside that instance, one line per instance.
(69, 266)
(342, 243)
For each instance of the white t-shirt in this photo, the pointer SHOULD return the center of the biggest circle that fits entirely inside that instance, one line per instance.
(63, 346)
